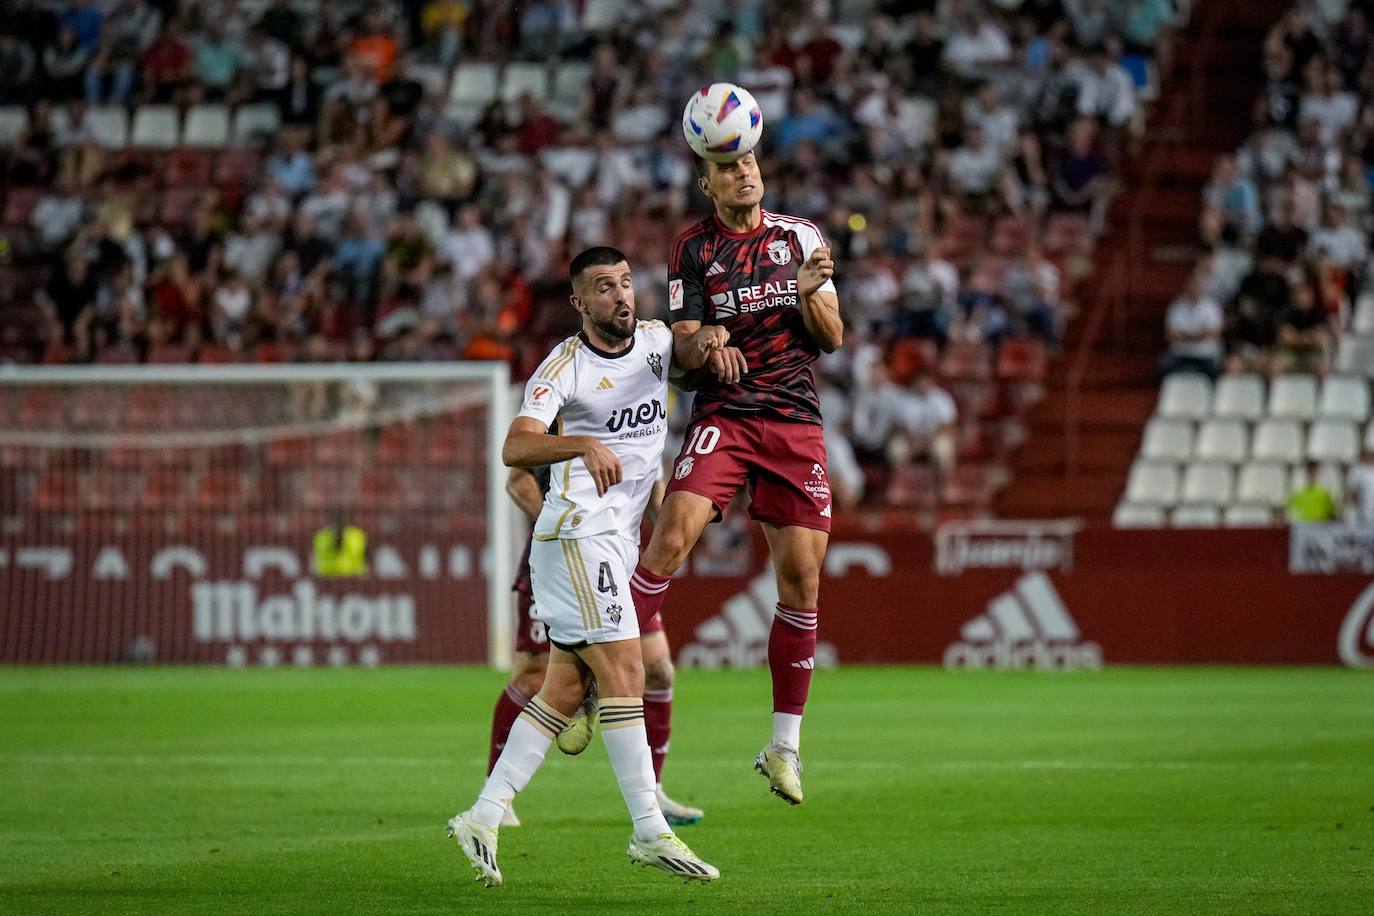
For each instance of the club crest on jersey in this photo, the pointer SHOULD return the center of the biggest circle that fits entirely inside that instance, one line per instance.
(780, 252)
(655, 365)
(684, 467)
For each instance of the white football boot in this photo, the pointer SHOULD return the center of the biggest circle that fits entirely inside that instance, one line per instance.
(782, 765)
(667, 853)
(478, 844)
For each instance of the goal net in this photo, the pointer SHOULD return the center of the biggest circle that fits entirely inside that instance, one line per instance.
(194, 514)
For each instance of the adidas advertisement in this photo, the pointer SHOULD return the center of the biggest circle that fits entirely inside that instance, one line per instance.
(1025, 627)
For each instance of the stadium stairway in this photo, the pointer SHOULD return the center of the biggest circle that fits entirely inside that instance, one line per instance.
(1085, 433)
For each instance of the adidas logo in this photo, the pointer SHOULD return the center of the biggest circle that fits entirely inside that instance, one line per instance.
(1026, 627)
(604, 384)
(806, 663)
(715, 269)
(737, 637)
(825, 513)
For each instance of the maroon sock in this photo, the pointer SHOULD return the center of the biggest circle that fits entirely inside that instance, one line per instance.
(658, 723)
(502, 718)
(649, 590)
(791, 657)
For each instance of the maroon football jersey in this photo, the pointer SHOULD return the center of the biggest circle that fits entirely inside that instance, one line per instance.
(747, 282)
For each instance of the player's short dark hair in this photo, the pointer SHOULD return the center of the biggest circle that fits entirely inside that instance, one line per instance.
(597, 256)
(704, 167)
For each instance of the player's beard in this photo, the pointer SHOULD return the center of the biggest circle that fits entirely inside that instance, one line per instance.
(614, 327)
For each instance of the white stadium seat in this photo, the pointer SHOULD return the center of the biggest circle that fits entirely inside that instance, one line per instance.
(1263, 482)
(433, 77)
(1344, 397)
(253, 121)
(107, 125)
(14, 120)
(474, 86)
(1364, 314)
(1332, 476)
(156, 126)
(1168, 440)
(1153, 482)
(1223, 440)
(1207, 484)
(1293, 397)
(522, 78)
(1277, 440)
(1333, 440)
(206, 125)
(1185, 396)
(1195, 517)
(1369, 437)
(568, 82)
(1239, 397)
(1133, 515)
(1355, 354)
(1247, 516)
(603, 15)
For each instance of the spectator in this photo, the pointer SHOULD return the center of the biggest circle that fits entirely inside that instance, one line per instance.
(299, 99)
(58, 214)
(216, 62)
(1193, 326)
(1230, 200)
(928, 420)
(86, 23)
(1337, 240)
(18, 70)
(64, 63)
(442, 23)
(1360, 488)
(1304, 333)
(1312, 502)
(976, 45)
(167, 63)
(1080, 179)
(1253, 318)
(283, 23)
(1106, 90)
(269, 62)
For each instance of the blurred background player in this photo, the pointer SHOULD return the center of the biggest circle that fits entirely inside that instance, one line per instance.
(605, 391)
(526, 487)
(766, 279)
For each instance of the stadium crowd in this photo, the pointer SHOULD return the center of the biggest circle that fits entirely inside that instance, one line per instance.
(1287, 217)
(959, 154)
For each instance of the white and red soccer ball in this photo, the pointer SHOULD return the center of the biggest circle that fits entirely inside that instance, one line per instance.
(722, 122)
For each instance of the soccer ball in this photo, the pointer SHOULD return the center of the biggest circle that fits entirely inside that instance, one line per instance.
(722, 122)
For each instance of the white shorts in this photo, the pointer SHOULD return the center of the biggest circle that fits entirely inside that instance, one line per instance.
(582, 588)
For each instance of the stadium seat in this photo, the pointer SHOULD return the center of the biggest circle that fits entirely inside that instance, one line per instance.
(1207, 483)
(327, 489)
(474, 86)
(1277, 440)
(1263, 482)
(963, 360)
(179, 204)
(1293, 397)
(1153, 483)
(1195, 517)
(221, 489)
(340, 449)
(1344, 397)
(237, 167)
(14, 120)
(431, 76)
(110, 491)
(1167, 440)
(1022, 360)
(252, 122)
(186, 168)
(603, 15)
(108, 125)
(1247, 516)
(156, 127)
(1363, 322)
(1068, 232)
(569, 81)
(1223, 440)
(380, 489)
(1355, 354)
(19, 206)
(1185, 396)
(1333, 440)
(1332, 476)
(1369, 437)
(913, 487)
(522, 78)
(401, 444)
(970, 485)
(1239, 397)
(206, 125)
(1132, 515)
(94, 407)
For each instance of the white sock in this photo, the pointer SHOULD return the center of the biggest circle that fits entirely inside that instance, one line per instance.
(787, 729)
(627, 744)
(529, 741)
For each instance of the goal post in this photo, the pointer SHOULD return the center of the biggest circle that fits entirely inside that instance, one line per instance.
(169, 513)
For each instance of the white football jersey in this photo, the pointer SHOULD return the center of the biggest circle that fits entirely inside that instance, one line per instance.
(620, 399)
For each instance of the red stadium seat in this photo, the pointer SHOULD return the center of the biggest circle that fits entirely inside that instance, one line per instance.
(221, 490)
(340, 449)
(908, 357)
(42, 407)
(58, 491)
(1022, 360)
(964, 360)
(164, 489)
(216, 354)
(19, 206)
(1009, 237)
(912, 486)
(237, 168)
(401, 443)
(170, 354)
(188, 168)
(327, 489)
(1068, 233)
(287, 453)
(969, 485)
(380, 489)
(453, 446)
(111, 490)
(149, 408)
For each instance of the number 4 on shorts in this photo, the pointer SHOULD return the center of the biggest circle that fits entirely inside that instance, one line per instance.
(605, 580)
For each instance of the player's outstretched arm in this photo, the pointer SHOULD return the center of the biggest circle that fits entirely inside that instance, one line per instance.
(820, 308)
(523, 490)
(528, 445)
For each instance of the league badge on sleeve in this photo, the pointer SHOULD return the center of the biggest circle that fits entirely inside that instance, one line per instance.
(539, 397)
(675, 295)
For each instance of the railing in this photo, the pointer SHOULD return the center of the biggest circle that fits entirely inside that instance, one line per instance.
(1116, 295)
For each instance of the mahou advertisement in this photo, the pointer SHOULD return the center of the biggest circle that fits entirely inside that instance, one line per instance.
(1039, 595)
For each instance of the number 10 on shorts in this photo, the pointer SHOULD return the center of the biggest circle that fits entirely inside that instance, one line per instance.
(703, 442)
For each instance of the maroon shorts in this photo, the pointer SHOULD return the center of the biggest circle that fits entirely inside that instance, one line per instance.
(530, 635)
(782, 461)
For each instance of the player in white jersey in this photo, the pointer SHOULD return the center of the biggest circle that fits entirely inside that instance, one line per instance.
(605, 393)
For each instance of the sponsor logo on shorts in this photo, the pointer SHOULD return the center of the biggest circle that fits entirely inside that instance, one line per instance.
(684, 467)
(817, 486)
(675, 295)
(780, 252)
(1025, 627)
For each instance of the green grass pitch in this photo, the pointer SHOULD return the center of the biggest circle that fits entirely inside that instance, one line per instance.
(1125, 791)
